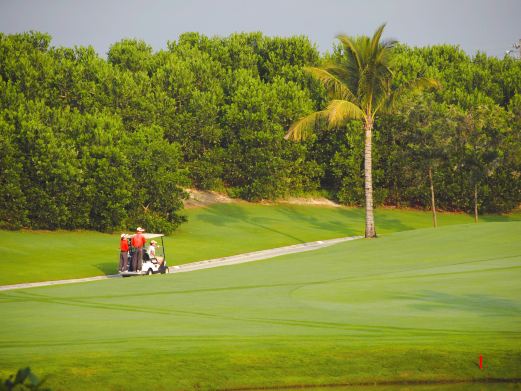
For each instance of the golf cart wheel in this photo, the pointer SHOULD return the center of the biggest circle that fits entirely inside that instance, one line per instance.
(149, 272)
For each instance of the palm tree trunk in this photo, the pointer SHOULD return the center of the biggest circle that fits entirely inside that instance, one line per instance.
(370, 231)
(433, 203)
(475, 202)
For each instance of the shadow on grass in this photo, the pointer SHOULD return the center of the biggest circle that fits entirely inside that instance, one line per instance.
(484, 305)
(500, 218)
(107, 268)
(382, 220)
(343, 228)
(223, 215)
(350, 220)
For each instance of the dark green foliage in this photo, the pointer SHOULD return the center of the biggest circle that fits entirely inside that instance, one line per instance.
(109, 144)
(468, 133)
(234, 97)
(259, 163)
(131, 55)
(343, 154)
(156, 176)
(66, 138)
(13, 212)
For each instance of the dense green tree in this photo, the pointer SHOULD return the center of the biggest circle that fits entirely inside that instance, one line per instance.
(88, 142)
(481, 132)
(192, 82)
(132, 55)
(24, 62)
(13, 208)
(259, 164)
(156, 180)
(51, 172)
(427, 142)
(107, 182)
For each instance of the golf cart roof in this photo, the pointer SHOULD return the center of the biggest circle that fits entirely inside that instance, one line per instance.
(148, 236)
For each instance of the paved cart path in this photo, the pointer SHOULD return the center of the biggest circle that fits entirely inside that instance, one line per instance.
(188, 267)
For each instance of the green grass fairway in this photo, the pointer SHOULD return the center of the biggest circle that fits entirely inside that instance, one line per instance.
(212, 232)
(229, 229)
(411, 306)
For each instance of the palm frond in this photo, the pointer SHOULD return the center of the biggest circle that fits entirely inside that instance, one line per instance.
(340, 111)
(359, 81)
(418, 84)
(375, 40)
(423, 83)
(374, 83)
(337, 70)
(304, 127)
(384, 57)
(331, 81)
(351, 49)
(382, 102)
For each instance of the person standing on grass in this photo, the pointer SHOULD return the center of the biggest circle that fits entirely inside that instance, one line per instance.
(123, 254)
(138, 241)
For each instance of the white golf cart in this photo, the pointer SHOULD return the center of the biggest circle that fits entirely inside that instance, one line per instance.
(150, 265)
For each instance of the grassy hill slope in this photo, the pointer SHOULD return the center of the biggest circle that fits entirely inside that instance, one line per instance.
(411, 306)
(216, 231)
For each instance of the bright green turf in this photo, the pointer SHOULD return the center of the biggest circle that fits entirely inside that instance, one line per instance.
(416, 305)
(213, 232)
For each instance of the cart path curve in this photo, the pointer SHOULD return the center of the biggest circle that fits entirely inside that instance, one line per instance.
(188, 267)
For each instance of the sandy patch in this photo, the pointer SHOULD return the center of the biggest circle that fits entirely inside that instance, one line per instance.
(199, 198)
(310, 201)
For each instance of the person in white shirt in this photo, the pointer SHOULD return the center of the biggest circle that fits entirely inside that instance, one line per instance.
(152, 252)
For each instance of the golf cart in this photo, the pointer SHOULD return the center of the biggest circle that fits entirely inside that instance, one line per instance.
(150, 265)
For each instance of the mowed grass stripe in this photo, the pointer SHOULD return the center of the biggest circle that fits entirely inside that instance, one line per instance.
(363, 311)
(213, 232)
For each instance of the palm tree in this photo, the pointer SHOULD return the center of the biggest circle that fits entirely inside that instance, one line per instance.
(360, 86)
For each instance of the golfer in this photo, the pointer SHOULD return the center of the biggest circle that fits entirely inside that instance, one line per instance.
(138, 241)
(123, 254)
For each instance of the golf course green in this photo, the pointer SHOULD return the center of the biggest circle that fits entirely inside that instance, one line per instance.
(413, 306)
(212, 232)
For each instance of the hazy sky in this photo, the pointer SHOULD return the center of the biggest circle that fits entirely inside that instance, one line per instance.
(491, 26)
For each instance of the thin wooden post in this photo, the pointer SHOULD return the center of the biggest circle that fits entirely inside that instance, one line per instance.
(433, 203)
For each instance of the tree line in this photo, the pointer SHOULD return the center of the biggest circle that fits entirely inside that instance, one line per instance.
(106, 143)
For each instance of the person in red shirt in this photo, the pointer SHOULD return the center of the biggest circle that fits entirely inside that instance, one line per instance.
(138, 241)
(123, 255)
